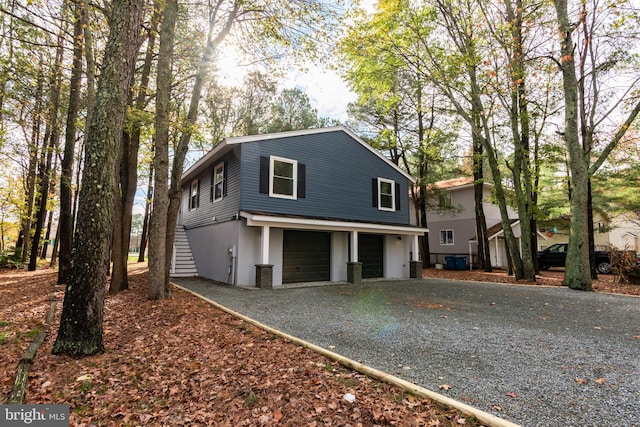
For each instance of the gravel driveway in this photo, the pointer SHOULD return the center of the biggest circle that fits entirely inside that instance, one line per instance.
(536, 356)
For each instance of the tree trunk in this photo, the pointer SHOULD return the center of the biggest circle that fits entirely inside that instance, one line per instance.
(4, 75)
(47, 235)
(44, 178)
(129, 171)
(80, 332)
(145, 222)
(54, 251)
(175, 191)
(91, 67)
(484, 250)
(577, 274)
(424, 239)
(118, 254)
(65, 224)
(30, 191)
(520, 128)
(513, 251)
(158, 264)
(51, 143)
(166, 229)
(423, 167)
(592, 238)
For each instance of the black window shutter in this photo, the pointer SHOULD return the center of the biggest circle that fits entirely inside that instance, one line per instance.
(264, 175)
(198, 196)
(213, 181)
(398, 205)
(224, 179)
(374, 192)
(302, 181)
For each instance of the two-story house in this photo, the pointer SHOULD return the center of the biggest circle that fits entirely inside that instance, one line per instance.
(302, 206)
(452, 223)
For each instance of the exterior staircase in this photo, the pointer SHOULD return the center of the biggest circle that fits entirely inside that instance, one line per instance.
(182, 264)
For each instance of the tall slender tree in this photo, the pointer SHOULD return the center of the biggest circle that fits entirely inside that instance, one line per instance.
(282, 22)
(80, 331)
(128, 171)
(66, 176)
(158, 268)
(50, 145)
(580, 125)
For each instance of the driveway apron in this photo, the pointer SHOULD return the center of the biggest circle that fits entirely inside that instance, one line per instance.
(536, 356)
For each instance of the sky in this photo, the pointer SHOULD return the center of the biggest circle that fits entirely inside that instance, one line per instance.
(325, 88)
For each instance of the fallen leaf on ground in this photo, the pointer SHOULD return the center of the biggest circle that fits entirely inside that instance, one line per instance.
(511, 394)
(444, 386)
(600, 380)
(580, 380)
(165, 365)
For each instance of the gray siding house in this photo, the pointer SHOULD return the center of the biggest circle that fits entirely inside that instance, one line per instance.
(453, 223)
(301, 206)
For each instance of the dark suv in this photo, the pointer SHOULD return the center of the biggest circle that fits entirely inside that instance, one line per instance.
(556, 256)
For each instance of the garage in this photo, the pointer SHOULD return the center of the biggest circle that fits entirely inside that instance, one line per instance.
(371, 255)
(306, 256)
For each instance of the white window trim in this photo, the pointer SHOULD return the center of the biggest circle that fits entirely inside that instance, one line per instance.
(444, 242)
(220, 166)
(193, 193)
(272, 160)
(393, 195)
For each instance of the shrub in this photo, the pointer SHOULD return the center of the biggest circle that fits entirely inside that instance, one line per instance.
(11, 260)
(625, 266)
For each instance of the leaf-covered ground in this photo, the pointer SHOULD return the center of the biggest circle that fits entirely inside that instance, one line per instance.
(184, 362)
(606, 282)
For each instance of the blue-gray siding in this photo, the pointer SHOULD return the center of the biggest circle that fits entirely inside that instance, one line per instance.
(339, 171)
(222, 210)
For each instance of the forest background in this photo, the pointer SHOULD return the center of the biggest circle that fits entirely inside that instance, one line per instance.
(101, 99)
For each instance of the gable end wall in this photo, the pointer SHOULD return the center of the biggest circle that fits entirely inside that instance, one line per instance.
(339, 171)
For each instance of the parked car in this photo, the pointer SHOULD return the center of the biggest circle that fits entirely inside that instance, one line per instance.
(556, 256)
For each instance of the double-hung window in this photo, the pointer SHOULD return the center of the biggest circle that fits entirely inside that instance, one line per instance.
(194, 196)
(218, 182)
(446, 237)
(386, 194)
(283, 178)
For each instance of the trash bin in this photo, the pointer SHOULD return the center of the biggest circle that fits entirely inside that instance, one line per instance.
(451, 262)
(461, 263)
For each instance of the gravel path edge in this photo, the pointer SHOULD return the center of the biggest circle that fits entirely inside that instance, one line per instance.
(489, 419)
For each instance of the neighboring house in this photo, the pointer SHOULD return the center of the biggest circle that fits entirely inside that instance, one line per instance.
(618, 232)
(301, 206)
(452, 223)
